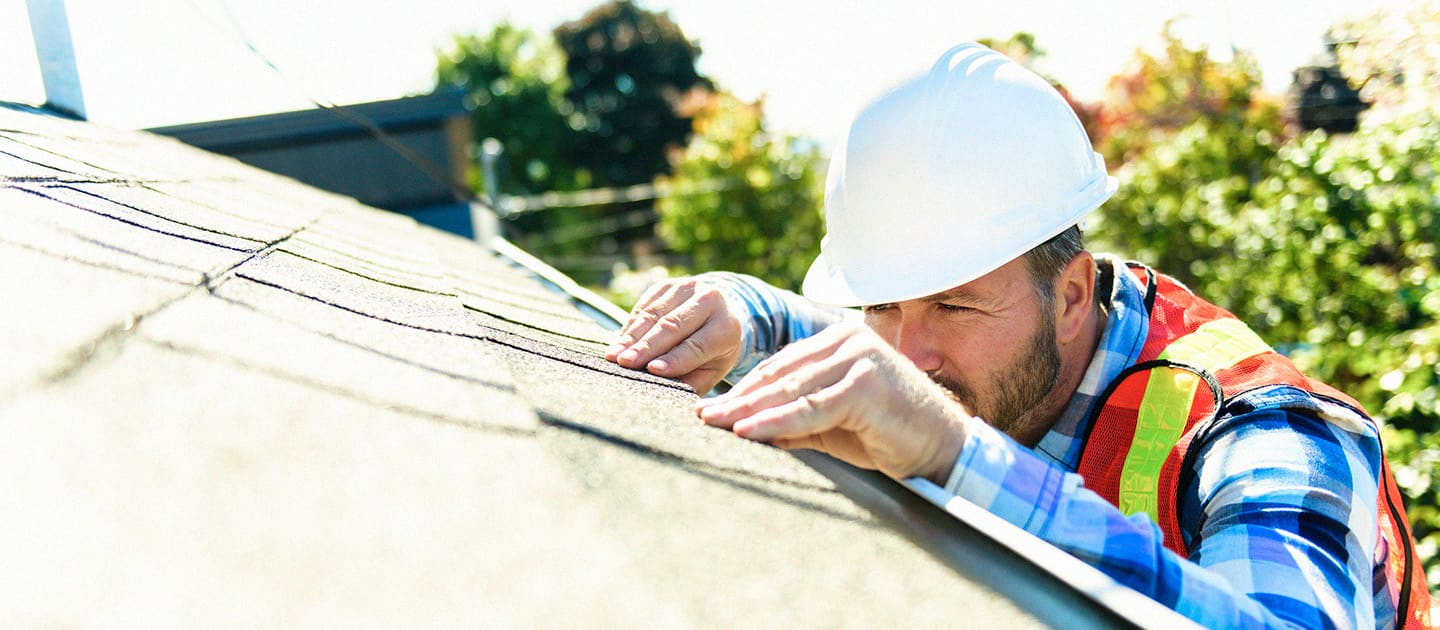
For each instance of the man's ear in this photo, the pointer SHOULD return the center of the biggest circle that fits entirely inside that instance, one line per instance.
(1074, 297)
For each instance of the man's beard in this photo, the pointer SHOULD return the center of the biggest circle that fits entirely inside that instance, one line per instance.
(1018, 389)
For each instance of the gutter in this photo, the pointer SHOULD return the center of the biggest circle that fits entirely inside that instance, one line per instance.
(598, 308)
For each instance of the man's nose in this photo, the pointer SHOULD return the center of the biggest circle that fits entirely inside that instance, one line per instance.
(914, 340)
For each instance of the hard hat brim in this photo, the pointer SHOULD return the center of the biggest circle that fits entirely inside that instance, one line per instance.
(884, 282)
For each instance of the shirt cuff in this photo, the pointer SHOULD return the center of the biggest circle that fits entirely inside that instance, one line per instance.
(996, 473)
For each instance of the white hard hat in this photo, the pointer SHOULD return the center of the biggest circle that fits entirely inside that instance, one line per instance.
(949, 176)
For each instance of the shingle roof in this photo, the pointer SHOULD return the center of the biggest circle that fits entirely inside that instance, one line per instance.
(228, 398)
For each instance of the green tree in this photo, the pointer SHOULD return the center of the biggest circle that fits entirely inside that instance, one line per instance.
(1393, 57)
(1365, 212)
(743, 200)
(1160, 94)
(1189, 137)
(515, 81)
(630, 74)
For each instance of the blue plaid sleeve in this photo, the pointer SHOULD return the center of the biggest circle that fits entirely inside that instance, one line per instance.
(1279, 515)
(775, 317)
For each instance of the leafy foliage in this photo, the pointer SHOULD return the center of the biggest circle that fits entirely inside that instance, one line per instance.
(515, 81)
(630, 72)
(1158, 95)
(1327, 246)
(743, 200)
(512, 74)
(601, 104)
(1369, 215)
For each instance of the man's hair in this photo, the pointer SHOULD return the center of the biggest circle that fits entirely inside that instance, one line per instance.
(1047, 260)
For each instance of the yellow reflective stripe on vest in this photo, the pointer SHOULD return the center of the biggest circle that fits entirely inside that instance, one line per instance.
(1164, 409)
(1160, 423)
(1216, 345)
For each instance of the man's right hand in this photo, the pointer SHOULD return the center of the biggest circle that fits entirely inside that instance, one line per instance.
(681, 329)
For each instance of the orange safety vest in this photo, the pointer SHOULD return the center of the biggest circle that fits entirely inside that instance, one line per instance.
(1198, 357)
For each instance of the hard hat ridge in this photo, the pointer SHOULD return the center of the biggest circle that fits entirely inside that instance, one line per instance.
(948, 176)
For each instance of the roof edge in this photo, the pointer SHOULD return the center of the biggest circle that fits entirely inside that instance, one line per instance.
(391, 114)
(599, 308)
(1056, 587)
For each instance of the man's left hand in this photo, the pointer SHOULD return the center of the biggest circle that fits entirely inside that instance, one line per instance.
(846, 392)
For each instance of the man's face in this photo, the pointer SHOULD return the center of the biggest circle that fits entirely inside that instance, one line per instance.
(988, 342)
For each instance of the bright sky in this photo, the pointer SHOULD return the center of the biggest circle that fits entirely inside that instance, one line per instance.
(148, 63)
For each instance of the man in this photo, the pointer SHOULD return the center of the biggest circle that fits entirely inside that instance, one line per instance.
(1099, 405)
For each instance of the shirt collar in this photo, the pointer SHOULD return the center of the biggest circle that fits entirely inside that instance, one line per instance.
(1126, 325)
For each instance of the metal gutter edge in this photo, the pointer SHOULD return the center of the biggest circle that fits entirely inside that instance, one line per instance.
(599, 308)
(1059, 589)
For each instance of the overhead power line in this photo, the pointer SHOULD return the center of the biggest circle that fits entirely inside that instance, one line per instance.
(510, 206)
(461, 191)
(505, 206)
(595, 228)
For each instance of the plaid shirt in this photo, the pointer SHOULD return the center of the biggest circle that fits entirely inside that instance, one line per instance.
(1279, 513)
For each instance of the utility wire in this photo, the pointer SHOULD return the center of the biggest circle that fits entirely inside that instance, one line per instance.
(461, 192)
(511, 206)
(508, 206)
(595, 228)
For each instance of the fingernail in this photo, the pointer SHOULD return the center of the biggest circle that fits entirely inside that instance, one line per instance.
(658, 365)
(629, 355)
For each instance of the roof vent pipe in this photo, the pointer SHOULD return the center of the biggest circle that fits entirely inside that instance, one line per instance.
(51, 30)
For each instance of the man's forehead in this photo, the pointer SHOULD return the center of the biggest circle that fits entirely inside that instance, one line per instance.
(998, 285)
(963, 293)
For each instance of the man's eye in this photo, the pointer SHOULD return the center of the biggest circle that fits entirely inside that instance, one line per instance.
(955, 308)
(875, 308)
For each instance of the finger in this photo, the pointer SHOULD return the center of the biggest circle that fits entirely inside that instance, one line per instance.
(811, 442)
(802, 418)
(787, 361)
(646, 315)
(639, 318)
(650, 292)
(717, 337)
(673, 328)
(787, 391)
(815, 442)
(704, 379)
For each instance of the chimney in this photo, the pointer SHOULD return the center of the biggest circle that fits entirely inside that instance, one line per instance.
(51, 30)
